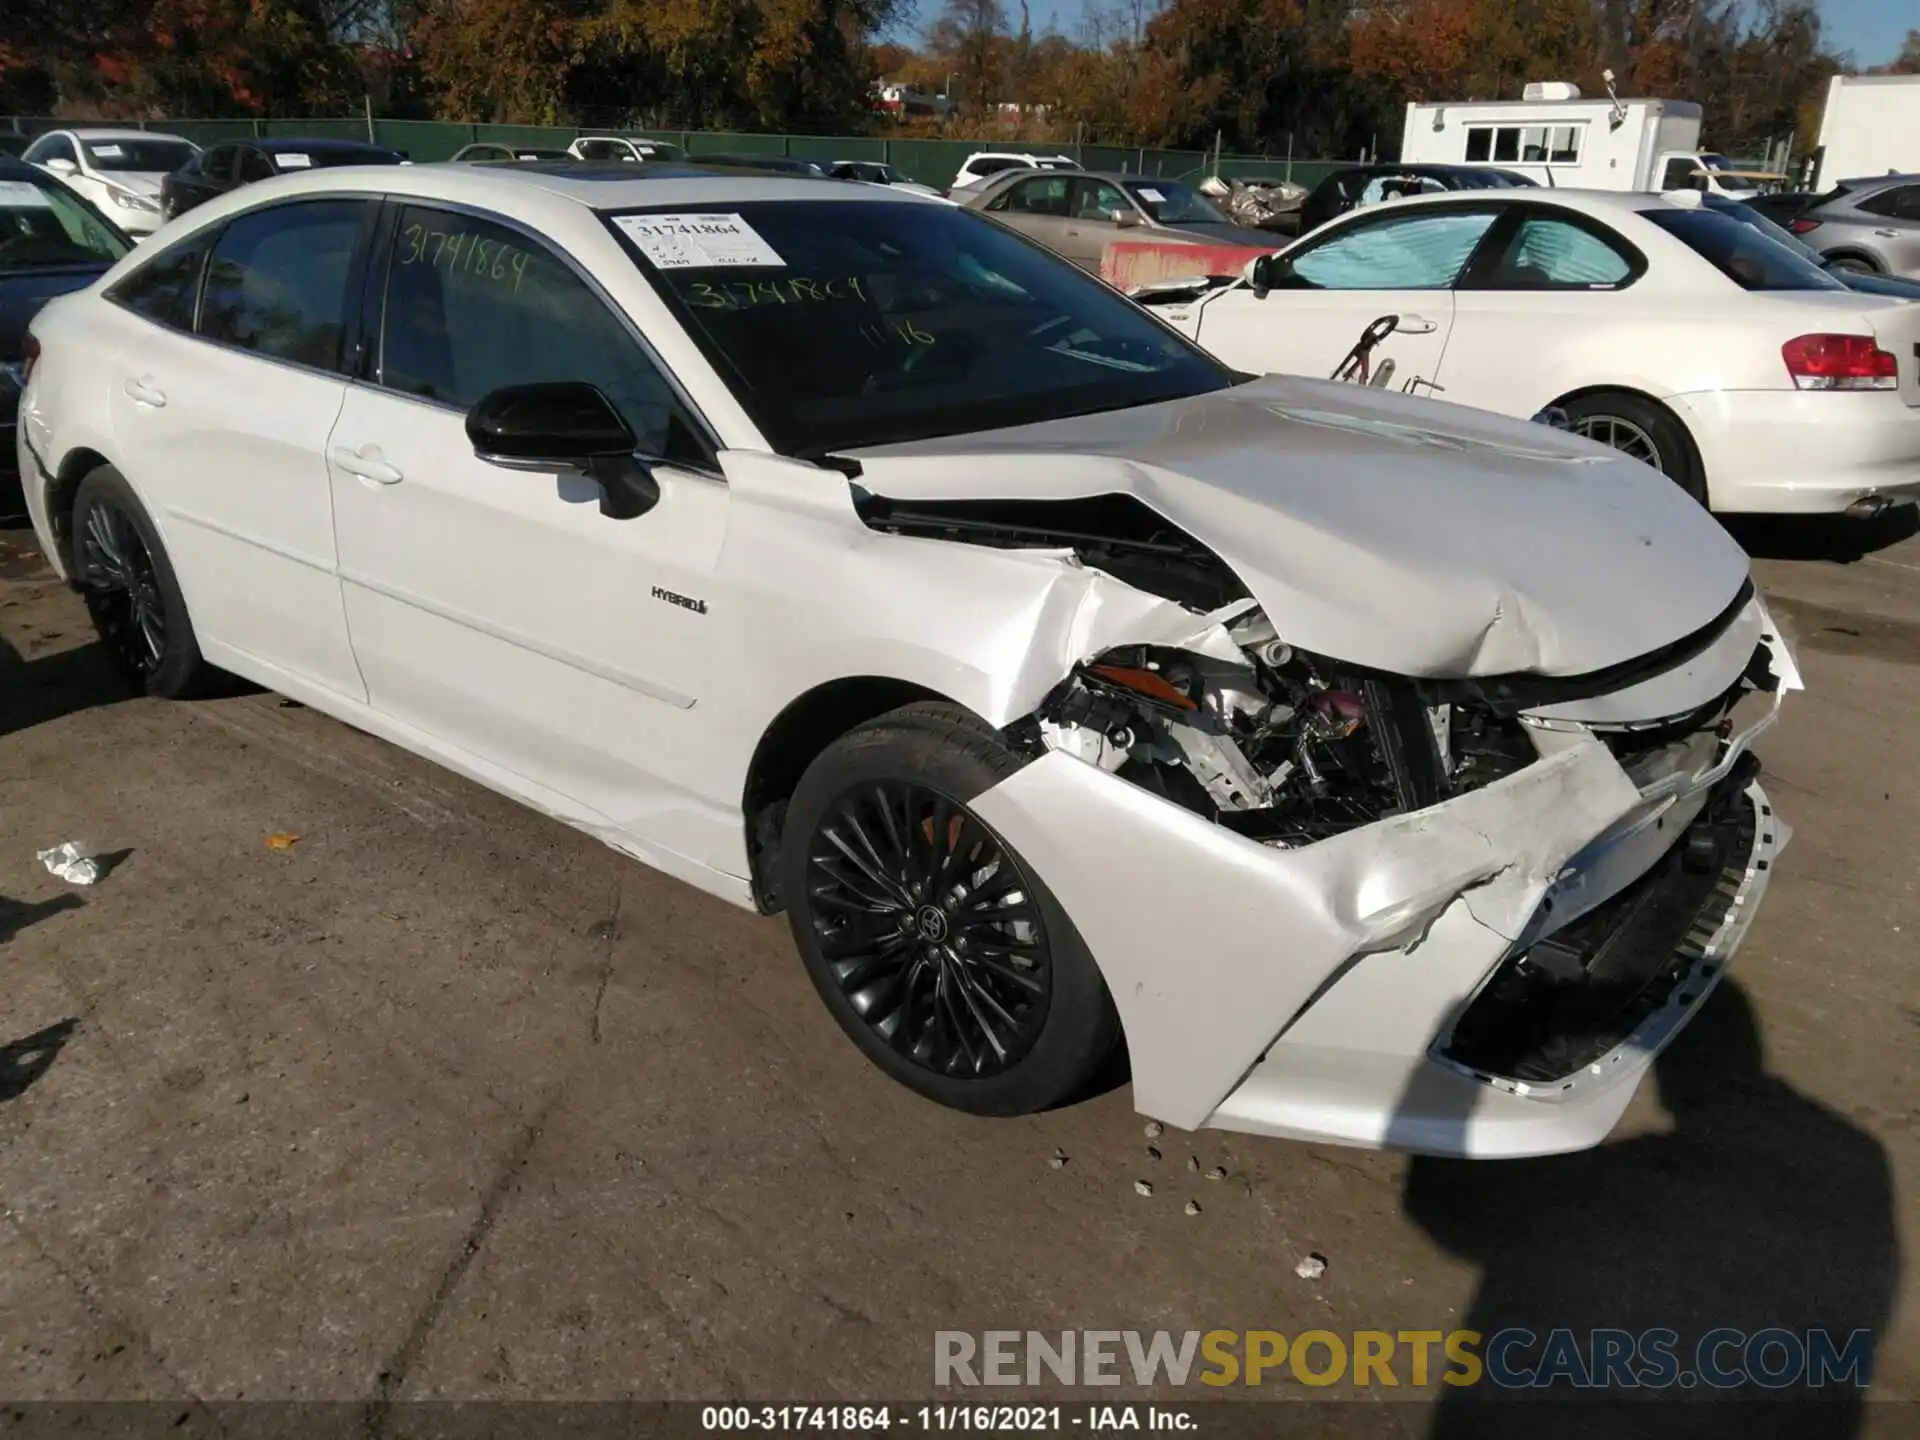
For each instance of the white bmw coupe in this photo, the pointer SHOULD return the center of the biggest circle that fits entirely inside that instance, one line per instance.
(1377, 770)
(1731, 362)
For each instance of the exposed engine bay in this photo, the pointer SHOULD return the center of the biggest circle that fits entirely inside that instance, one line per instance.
(1277, 744)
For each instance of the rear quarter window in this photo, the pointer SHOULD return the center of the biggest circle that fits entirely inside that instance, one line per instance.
(1743, 254)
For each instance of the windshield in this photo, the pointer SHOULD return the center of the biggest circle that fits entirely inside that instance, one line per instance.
(1740, 252)
(44, 226)
(841, 325)
(150, 156)
(1719, 164)
(1172, 203)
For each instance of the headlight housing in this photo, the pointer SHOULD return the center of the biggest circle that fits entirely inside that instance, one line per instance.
(129, 201)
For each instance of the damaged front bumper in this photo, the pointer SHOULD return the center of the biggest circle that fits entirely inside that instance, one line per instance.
(1489, 976)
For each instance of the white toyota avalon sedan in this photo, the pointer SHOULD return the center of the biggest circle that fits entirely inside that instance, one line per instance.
(1375, 769)
(1751, 377)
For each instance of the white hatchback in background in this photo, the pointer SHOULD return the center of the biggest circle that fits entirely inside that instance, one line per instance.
(118, 170)
(1699, 345)
(1379, 769)
(982, 163)
(625, 148)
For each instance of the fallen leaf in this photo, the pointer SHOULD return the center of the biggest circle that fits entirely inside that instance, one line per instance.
(282, 840)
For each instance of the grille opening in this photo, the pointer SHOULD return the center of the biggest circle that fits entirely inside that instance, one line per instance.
(1563, 1003)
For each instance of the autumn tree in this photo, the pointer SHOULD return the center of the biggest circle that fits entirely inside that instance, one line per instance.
(1907, 62)
(970, 38)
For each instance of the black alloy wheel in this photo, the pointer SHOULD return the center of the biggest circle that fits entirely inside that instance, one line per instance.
(929, 928)
(122, 588)
(122, 571)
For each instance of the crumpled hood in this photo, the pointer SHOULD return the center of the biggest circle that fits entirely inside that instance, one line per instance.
(1402, 534)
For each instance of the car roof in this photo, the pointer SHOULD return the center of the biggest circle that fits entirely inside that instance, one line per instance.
(90, 133)
(278, 146)
(1861, 182)
(1589, 202)
(599, 186)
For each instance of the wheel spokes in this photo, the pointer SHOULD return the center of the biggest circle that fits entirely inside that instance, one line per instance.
(927, 928)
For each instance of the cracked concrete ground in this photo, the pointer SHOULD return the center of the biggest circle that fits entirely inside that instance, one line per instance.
(448, 1101)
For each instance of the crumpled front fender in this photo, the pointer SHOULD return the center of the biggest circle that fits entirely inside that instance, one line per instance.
(1211, 943)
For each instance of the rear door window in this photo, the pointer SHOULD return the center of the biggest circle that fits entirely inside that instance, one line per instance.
(165, 288)
(278, 280)
(1741, 253)
(1902, 202)
(1426, 251)
(1548, 253)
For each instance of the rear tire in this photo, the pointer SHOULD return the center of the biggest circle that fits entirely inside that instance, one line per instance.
(1853, 265)
(933, 944)
(124, 575)
(1636, 426)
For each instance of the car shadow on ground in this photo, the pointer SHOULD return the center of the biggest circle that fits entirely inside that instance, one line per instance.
(1821, 537)
(34, 691)
(1761, 1208)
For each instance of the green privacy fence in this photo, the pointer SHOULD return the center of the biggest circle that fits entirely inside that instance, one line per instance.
(932, 162)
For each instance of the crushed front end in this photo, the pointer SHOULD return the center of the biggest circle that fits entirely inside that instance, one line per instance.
(1457, 917)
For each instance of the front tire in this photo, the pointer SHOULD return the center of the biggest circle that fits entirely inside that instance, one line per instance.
(1636, 426)
(933, 944)
(124, 576)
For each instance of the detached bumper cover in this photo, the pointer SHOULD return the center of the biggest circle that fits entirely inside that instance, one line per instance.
(1356, 990)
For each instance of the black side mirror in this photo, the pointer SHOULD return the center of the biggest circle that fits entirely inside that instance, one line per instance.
(564, 425)
(1268, 272)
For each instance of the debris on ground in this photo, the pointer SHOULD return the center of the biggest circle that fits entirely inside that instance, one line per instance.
(1155, 1129)
(1193, 1164)
(282, 840)
(1153, 1154)
(1193, 1207)
(1141, 1187)
(70, 861)
(1219, 1172)
(1059, 1160)
(1312, 1267)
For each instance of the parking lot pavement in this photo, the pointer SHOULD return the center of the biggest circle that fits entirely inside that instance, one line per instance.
(447, 1100)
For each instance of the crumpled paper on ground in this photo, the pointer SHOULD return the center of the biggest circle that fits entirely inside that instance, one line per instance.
(70, 861)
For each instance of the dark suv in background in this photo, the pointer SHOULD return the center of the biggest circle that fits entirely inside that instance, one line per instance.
(220, 168)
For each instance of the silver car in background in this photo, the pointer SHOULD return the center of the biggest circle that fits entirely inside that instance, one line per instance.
(1869, 225)
(1076, 213)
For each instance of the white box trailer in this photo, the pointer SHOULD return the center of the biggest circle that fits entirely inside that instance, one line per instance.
(1556, 138)
(1871, 126)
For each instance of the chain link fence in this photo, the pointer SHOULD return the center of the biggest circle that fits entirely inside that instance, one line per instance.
(931, 162)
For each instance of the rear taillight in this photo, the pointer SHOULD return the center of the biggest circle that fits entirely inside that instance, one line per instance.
(1839, 362)
(29, 353)
(1802, 225)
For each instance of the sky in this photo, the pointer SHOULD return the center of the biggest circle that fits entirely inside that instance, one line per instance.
(1872, 29)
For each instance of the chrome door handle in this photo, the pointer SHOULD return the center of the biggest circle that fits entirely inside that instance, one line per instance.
(143, 392)
(374, 469)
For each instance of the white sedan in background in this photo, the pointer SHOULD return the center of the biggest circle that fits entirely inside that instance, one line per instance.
(1739, 368)
(118, 170)
(1377, 769)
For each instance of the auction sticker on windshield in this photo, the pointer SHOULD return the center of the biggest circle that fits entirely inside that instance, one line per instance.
(292, 160)
(685, 242)
(21, 195)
